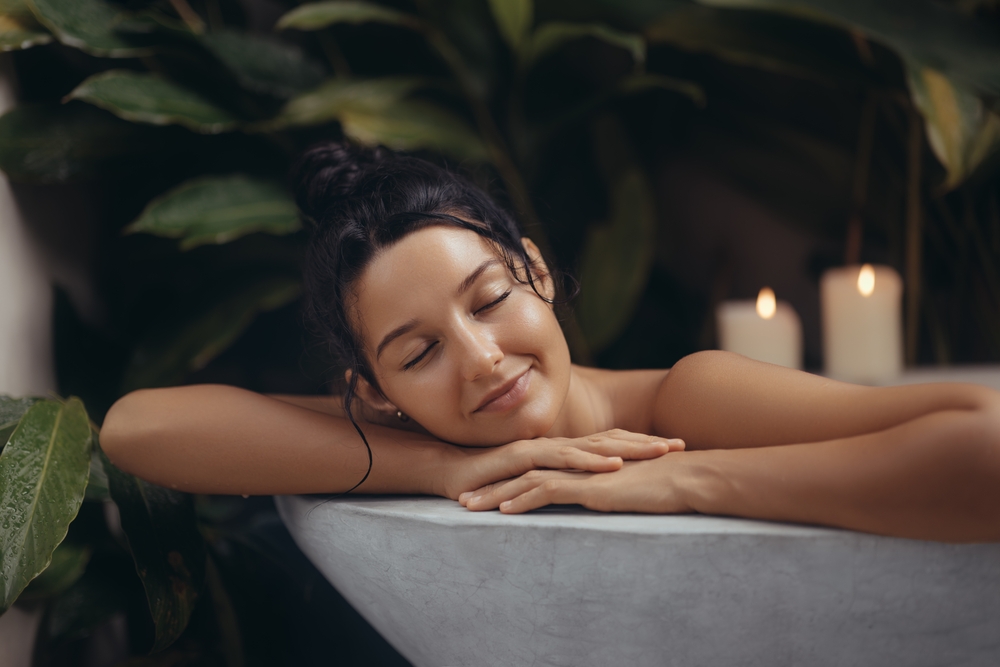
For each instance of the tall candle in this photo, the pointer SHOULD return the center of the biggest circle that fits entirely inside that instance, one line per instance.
(767, 330)
(862, 323)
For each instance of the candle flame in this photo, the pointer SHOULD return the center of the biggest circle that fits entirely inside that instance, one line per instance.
(766, 305)
(866, 280)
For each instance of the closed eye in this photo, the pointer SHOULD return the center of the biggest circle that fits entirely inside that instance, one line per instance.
(410, 364)
(493, 304)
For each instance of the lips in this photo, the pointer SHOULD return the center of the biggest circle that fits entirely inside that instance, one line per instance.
(506, 395)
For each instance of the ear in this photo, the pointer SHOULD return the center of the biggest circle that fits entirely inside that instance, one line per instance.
(371, 396)
(540, 270)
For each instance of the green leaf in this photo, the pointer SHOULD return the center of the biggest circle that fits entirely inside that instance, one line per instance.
(178, 346)
(328, 101)
(931, 34)
(551, 36)
(97, 485)
(513, 19)
(264, 64)
(319, 15)
(68, 564)
(961, 130)
(787, 45)
(168, 551)
(637, 83)
(415, 124)
(58, 143)
(88, 25)
(43, 474)
(18, 27)
(142, 97)
(219, 209)
(617, 255)
(11, 411)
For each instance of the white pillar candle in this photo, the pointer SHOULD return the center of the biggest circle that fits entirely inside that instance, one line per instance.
(766, 330)
(862, 323)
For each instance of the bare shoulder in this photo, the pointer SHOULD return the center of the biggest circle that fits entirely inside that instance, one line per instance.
(631, 394)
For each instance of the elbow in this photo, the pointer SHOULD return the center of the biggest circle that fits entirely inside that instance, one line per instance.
(125, 429)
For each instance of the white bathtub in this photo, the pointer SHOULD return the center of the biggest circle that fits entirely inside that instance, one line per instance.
(448, 587)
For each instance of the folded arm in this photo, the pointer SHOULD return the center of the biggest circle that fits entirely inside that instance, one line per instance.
(219, 439)
(765, 442)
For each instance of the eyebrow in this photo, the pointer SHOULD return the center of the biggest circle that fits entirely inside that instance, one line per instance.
(412, 324)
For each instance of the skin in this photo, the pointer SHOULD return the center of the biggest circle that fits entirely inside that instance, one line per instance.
(761, 441)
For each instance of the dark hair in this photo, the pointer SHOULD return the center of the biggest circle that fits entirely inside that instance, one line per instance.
(358, 201)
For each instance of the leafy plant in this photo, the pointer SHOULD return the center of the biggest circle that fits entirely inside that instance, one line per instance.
(188, 118)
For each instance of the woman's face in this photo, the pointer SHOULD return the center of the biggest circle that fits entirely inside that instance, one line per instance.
(459, 345)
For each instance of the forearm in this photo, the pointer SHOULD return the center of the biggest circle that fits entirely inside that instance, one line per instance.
(215, 439)
(722, 400)
(935, 477)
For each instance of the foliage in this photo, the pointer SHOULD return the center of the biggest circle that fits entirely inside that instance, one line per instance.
(186, 118)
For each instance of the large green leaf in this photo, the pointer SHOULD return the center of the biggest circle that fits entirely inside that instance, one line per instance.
(318, 15)
(88, 25)
(18, 27)
(550, 36)
(961, 130)
(617, 255)
(177, 346)
(58, 143)
(143, 97)
(415, 124)
(218, 209)
(513, 19)
(929, 33)
(264, 64)
(785, 44)
(328, 101)
(11, 411)
(43, 474)
(169, 552)
(69, 560)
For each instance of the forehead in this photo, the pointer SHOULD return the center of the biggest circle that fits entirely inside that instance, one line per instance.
(410, 277)
(427, 256)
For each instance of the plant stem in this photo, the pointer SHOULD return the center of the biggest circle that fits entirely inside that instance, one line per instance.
(341, 68)
(188, 15)
(914, 235)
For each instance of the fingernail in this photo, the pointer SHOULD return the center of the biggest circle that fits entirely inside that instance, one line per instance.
(676, 441)
(474, 499)
(462, 497)
(505, 505)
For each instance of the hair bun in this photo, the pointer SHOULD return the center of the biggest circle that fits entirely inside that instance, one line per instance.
(331, 171)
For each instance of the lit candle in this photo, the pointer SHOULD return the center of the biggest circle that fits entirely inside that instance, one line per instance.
(767, 330)
(862, 323)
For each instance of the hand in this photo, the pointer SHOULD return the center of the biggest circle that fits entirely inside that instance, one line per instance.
(642, 486)
(600, 452)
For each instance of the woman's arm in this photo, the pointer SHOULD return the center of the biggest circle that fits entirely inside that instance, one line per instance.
(920, 461)
(717, 399)
(219, 439)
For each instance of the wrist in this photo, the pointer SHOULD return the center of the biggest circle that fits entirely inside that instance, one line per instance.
(701, 484)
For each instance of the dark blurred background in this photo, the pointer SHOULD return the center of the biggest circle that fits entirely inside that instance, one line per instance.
(671, 154)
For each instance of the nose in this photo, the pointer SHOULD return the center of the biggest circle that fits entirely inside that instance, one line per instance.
(480, 352)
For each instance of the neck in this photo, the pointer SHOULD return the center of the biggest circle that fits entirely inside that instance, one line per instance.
(588, 407)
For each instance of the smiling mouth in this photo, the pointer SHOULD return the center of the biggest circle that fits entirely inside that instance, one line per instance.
(508, 395)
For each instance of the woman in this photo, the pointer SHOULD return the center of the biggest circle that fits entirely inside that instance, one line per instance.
(443, 317)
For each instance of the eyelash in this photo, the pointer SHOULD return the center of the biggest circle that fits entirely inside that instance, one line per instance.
(427, 349)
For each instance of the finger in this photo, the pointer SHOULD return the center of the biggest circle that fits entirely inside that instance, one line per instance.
(632, 446)
(549, 492)
(568, 457)
(490, 498)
